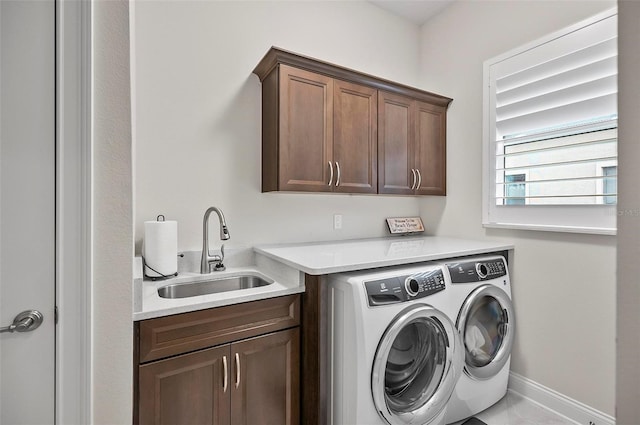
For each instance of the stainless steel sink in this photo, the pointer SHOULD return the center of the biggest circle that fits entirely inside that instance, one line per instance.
(213, 286)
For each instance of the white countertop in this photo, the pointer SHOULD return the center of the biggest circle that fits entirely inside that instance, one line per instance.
(342, 256)
(147, 304)
(286, 264)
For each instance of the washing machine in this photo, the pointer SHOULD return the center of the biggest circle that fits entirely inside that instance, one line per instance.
(395, 356)
(480, 290)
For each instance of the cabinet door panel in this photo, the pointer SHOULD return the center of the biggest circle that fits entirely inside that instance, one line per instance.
(269, 386)
(396, 126)
(431, 149)
(355, 137)
(186, 389)
(306, 122)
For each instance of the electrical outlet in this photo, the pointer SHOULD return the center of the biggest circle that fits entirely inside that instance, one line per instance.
(337, 221)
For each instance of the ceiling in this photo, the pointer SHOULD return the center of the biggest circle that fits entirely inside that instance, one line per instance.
(416, 11)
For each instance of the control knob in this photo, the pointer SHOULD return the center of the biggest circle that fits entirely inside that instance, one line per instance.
(482, 270)
(412, 286)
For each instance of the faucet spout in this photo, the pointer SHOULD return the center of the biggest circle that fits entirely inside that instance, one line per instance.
(208, 259)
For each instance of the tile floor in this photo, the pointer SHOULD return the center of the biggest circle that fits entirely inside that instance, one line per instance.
(515, 409)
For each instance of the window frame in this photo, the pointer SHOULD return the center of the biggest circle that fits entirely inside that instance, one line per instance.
(592, 219)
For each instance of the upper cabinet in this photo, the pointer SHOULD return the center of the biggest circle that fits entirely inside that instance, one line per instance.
(411, 146)
(355, 131)
(327, 128)
(299, 155)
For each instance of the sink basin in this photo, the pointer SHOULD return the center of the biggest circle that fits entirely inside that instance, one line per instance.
(213, 286)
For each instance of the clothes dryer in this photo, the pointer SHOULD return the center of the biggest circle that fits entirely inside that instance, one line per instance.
(395, 356)
(480, 290)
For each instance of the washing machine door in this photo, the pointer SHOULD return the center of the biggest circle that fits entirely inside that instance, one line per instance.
(417, 364)
(487, 324)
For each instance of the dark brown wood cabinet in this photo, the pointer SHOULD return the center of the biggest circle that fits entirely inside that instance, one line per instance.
(323, 136)
(326, 128)
(411, 146)
(355, 138)
(305, 128)
(187, 389)
(396, 120)
(431, 149)
(251, 374)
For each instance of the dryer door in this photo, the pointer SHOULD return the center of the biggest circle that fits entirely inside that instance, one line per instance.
(417, 364)
(486, 323)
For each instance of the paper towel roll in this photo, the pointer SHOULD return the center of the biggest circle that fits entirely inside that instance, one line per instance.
(160, 248)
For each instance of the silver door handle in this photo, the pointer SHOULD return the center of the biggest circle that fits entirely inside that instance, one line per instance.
(225, 379)
(419, 179)
(26, 321)
(330, 175)
(338, 178)
(237, 370)
(413, 173)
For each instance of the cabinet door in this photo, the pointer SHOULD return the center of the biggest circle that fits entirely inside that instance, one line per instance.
(306, 123)
(266, 383)
(431, 142)
(355, 138)
(187, 389)
(396, 131)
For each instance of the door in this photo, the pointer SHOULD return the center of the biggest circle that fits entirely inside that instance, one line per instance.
(396, 129)
(306, 136)
(191, 389)
(416, 366)
(355, 138)
(266, 379)
(431, 156)
(27, 214)
(487, 324)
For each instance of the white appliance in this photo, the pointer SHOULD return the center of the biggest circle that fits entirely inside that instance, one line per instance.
(395, 357)
(480, 290)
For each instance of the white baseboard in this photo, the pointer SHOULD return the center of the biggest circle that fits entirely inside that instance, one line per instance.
(559, 403)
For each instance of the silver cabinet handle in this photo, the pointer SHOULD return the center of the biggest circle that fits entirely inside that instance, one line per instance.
(225, 379)
(26, 321)
(330, 175)
(413, 173)
(237, 370)
(338, 179)
(419, 179)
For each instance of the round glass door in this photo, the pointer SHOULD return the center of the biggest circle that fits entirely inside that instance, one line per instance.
(416, 366)
(486, 323)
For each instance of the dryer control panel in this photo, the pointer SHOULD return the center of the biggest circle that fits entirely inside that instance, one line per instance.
(477, 271)
(399, 289)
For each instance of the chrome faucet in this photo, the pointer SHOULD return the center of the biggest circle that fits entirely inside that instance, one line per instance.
(207, 259)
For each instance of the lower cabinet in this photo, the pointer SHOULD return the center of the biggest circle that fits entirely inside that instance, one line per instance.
(254, 380)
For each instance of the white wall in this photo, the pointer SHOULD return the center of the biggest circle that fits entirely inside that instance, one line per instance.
(198, 113)
(112, 345)
(628, 349)
(563, 284)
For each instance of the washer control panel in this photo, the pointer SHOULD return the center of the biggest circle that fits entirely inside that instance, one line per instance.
(477, 271)
(399, 289)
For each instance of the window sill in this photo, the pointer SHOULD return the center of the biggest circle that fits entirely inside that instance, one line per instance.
(547, 228)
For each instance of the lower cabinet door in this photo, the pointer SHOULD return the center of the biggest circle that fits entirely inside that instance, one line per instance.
(189, 389)
(266, 379)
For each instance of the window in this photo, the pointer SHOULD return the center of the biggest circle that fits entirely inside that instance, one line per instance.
(550, 138)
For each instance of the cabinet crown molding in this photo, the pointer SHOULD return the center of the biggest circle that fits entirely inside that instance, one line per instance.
(276, 56)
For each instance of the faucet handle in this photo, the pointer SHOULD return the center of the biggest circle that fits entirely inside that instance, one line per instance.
(220, 267)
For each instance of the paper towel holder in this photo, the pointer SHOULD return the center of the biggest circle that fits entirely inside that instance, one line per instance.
(145, 266)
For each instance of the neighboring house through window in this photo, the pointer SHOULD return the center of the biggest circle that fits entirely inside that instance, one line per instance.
(514, 189)
(610, 185)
